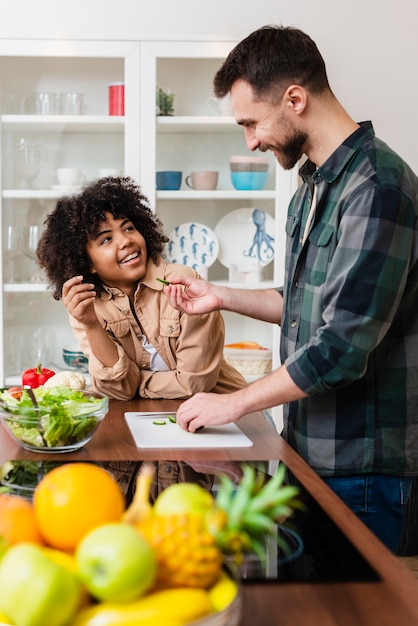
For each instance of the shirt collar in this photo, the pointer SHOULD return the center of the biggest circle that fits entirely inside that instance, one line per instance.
(332, 167)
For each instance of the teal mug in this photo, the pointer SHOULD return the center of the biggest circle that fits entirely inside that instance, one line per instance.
(168, 180)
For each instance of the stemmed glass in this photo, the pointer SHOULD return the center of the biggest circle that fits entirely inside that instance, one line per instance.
(12, 249)
(28, 161)
(31, 238)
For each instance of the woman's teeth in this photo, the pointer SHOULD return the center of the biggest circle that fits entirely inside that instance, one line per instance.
(130, 257)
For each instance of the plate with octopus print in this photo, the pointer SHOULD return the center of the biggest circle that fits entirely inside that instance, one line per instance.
(246, 239)
(192, 244)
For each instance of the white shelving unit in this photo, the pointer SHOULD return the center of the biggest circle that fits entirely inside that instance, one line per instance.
(139, 143)
(89, 141)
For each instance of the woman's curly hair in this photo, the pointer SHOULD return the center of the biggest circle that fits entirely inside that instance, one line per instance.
(62, 249)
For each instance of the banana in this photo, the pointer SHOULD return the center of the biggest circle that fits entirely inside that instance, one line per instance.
(169, 607)
(141, 508)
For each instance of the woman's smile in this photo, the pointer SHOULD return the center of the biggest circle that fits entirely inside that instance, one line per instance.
(131, 259)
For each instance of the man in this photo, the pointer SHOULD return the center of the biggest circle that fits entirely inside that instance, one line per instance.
(349, 347)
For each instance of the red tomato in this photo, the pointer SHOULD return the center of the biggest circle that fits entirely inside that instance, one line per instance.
(16, 392)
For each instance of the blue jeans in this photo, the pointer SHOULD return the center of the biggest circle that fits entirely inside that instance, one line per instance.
(378, 500)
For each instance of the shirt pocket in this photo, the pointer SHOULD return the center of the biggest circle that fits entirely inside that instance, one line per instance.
(170, 327)
(318, 254)
(121, 330)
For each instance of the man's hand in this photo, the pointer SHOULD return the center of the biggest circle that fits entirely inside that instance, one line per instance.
(207, 409)
(193, 296)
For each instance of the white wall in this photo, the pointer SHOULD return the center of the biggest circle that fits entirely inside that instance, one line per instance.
(370, 46)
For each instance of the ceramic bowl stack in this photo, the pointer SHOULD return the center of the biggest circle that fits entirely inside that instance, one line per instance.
(249, 173)
(74, 358)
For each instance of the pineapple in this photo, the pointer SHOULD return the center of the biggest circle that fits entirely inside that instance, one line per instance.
(187, 554)
(190, 545)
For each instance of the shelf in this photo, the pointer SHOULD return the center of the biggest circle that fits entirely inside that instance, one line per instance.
(197, 124)
(35, 194)
(25, 287)
(64, 123)
(219, 194)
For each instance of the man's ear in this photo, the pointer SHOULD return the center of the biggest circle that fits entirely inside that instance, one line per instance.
(296, 98)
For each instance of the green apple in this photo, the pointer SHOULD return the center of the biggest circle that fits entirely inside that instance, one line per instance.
(35, 591)
(183, 498)
(116, 563)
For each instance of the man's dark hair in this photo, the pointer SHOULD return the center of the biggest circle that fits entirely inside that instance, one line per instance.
(269, 60)
(76, 219)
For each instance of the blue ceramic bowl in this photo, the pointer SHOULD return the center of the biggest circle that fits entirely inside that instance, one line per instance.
(75, 359)
(249, 181)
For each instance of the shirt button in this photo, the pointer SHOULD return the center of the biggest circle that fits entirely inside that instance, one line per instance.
(293, 323)
(170, 329)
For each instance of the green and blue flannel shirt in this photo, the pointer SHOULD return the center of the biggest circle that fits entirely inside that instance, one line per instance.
(350, 326)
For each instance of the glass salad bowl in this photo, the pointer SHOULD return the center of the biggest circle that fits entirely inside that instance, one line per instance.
(63, 420)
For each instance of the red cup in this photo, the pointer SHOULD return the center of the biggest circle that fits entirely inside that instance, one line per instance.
(117, 99)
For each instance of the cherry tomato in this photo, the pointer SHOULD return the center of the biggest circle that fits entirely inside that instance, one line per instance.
(16, 392)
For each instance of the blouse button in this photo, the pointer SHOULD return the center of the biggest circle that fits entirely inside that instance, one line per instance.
(170, 329)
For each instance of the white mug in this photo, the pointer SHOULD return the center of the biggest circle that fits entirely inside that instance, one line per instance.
(70, 176)
(221, 106)
(109, 171)
(202, 180)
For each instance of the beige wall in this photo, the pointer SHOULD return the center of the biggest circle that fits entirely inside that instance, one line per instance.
(370, 46)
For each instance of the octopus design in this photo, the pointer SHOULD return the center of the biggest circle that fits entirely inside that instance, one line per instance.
(262, 240)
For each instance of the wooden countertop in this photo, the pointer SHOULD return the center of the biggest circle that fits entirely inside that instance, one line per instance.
(389, 601)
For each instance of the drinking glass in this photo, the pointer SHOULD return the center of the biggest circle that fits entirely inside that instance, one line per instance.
(12, 249)
(38, 345)
(31, 238)
(28, 161)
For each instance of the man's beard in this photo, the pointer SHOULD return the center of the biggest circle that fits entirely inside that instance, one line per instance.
(289, 153)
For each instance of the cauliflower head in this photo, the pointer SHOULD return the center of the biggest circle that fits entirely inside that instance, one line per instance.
(72, 380)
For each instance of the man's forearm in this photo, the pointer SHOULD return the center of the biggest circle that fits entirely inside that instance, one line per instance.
(262, 304)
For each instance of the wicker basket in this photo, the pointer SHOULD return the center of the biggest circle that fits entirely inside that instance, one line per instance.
(249, 362)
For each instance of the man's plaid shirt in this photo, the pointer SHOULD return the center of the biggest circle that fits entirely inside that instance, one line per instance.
(350, 327)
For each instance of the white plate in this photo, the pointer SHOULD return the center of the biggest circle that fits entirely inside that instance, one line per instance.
(192, 244)
(246, 239)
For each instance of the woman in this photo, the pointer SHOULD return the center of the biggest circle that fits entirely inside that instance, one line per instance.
(101, 251)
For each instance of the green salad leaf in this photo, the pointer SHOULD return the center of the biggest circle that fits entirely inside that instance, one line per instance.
(65, 416)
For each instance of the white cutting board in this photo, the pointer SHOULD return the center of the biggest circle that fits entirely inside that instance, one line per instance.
(149, 435)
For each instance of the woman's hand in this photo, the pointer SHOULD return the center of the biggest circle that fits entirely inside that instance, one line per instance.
(193, 296)
(78, 298)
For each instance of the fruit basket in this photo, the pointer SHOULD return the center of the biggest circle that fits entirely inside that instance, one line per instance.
(249, 358)
(231, 615)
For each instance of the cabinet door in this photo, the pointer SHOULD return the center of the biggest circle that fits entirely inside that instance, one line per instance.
(195, 137)
(54, 115)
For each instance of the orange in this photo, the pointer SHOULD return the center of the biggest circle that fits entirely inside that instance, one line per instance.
(17, 520)
(74, 498)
